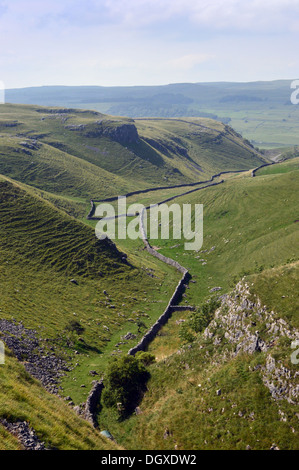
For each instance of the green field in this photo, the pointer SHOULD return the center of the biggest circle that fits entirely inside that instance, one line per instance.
(54, 271)
(285, 167)
(261, 111)
(84, 154)
(255, 236)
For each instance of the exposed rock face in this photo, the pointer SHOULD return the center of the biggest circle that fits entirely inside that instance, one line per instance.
(124, 133)
(240, 320)
(41, 363)
(32, 144)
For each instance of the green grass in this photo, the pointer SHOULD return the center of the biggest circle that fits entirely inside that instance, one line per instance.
(250, 221)
(55, 423)
(211, 145)
(284, 167)
(251, 224)
(278, 289)
(182, 398)
(81, 162)
(42, 249)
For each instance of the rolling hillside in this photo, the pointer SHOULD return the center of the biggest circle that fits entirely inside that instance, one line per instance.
(55, 425)
(78, 154)
(229, 383)
(41, 250)
(71, 304)
(261, 111)
(54, 272)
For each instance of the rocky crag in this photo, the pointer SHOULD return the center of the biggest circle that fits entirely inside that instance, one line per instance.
(242, 324)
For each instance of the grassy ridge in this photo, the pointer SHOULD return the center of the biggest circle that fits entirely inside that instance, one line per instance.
(250, 222)
(37, 232)
(23, 398)
(261, 111)
(42, 249)
(202, 138)
(85, 154)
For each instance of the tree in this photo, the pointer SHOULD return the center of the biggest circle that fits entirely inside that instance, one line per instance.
(124, 384)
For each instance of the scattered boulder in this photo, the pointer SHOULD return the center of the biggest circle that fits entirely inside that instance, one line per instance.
(93, 373)
(25, 434)
(215, 289)
(129, 336)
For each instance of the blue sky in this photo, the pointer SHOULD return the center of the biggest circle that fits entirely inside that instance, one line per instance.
(147, 42)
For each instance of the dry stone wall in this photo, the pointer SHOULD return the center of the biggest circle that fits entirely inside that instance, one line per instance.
(179, 290)
(144, 191)
(253, 173)
(92, 402)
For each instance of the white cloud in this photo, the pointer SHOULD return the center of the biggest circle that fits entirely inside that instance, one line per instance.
(126, 42)
(189, 61)
(249, 15)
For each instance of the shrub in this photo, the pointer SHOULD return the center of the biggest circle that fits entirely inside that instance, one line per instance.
(146, 358)
(199, 320)
(124, 384)
(75, 327)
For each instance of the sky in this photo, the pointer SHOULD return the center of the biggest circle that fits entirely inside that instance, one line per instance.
(147, 42)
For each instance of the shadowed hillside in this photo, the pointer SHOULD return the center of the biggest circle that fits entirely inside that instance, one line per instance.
(83, 154)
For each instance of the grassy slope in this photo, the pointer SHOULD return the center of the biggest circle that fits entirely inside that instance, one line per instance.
(35, 289)
(257, 228)
(50, 167)
(278, 288)
(251, 224)
(212, 146)
(284, 167)
(48, 248)
(23, 398)
(261, 111)
(78, 162)
(41, 251)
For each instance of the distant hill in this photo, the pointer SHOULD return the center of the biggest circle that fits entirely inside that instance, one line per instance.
(76, 155)
(71, 304)
(261, 111)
